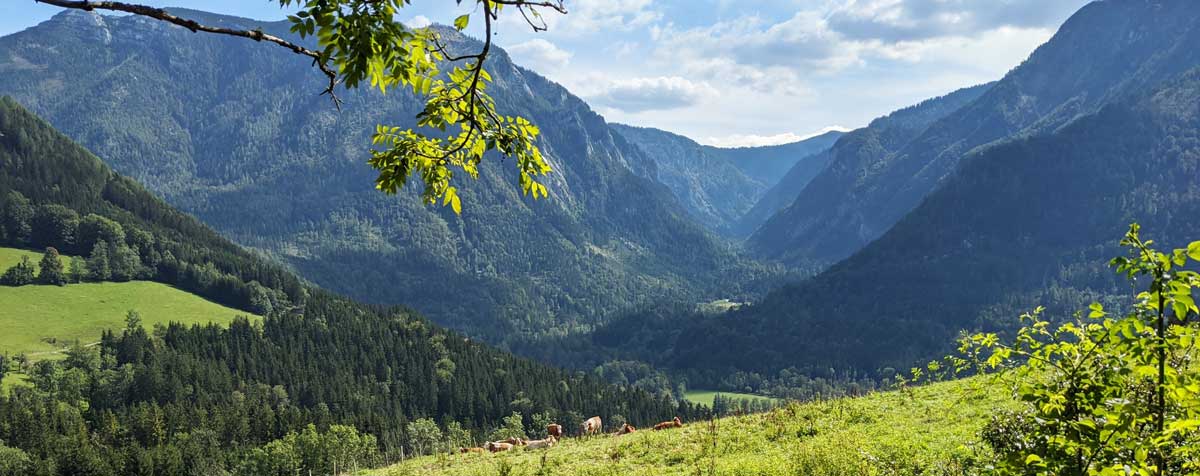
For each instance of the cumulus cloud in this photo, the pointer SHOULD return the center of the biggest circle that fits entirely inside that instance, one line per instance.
(752, 140)
(419, 21)
(592, 16)
(649, 94)
(910, 20)
(539, 54)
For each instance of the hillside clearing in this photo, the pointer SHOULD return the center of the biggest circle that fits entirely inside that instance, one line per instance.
(908, 432)
(706, 397)
(40, 320)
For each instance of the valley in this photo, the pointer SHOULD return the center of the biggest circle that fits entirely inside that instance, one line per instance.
(377, 239)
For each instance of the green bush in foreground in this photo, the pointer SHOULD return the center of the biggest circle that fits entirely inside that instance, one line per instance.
(1104, 395)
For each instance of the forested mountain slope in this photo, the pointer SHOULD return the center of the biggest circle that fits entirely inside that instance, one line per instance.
(234, 132)
(214, 400)
(855, 152)
(1027, 222)
(719, 185)
(1105, 52)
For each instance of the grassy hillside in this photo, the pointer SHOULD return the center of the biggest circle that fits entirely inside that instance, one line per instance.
(920, 432)
(38, 320)
(706, 397)
(12, 256)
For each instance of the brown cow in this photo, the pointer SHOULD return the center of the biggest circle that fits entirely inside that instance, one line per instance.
(675, 423)
(539, 444)
(591, 426)
(512, 440)
(625, 430)
(471, 450)
(554, 429)
(496, 447)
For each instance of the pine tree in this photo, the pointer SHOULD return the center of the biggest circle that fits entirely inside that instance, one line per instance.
(97, 263)
(51, 268)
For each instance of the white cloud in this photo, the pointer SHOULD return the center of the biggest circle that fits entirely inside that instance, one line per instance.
(539, 55)
(649, 94)
(752, 140)
(907, 20)
(419, 21)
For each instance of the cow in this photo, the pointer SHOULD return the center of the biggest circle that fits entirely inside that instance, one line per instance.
(554, 429)
(512, 440)
(540, 444)
(591, 426)
(471, 450)
(496, 447)
(675, 423)
(625, 430)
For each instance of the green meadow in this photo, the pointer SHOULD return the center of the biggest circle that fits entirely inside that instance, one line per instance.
(926, 430)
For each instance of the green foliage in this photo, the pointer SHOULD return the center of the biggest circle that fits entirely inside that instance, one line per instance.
(20, 274)
(424, 436)
(339, 449)
(1104, 394)
(366, 44)
(50, 269)
(513, 426)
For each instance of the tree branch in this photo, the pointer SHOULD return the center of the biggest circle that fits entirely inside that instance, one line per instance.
(194, 26)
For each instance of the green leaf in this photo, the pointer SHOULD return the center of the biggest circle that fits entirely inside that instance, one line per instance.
(461, 22)
(1193, 250)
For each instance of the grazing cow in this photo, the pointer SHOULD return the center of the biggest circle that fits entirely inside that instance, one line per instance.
(471, 450)
(540, 444)
(496, 447)
(625, 430)
(675, 423)
(591, 426)
(554, 429)
(512, 440)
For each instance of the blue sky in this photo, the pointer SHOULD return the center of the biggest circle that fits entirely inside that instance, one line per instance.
(739, 72)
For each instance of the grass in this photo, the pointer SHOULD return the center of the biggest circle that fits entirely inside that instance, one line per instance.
(706, 397)
(927, 430)
(40, 321)
(12, 256)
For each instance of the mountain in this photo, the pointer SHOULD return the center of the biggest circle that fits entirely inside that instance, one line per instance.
(718, 185)
(1025, 222)
(855, 151)
(1105, 52)
(207, 399)
(235, 133)
(769, 163)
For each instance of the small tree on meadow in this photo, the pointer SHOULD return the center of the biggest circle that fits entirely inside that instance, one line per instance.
(20, 274)
(51, 268)
(513, 427)
(78, 270)
(424, 435)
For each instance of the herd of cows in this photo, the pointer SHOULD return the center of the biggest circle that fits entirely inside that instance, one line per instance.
(590, 427)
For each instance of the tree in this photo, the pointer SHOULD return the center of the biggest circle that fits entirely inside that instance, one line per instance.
(424, 435)
(513, 427)
(94, 228)
(20, 274)
(78, 270)
(54, 225)
(51, 268)
(98, 263)
(360, 41)
(1104, 394)
(16, 218)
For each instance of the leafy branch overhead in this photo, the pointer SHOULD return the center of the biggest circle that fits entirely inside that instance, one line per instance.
(360, 41)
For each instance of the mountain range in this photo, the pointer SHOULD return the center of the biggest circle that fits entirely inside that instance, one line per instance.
(237, 135)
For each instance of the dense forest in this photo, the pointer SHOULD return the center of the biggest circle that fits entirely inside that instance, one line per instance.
(321, 378)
